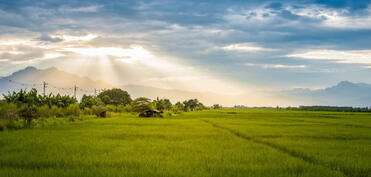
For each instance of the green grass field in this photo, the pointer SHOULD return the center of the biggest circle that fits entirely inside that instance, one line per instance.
(208, 143)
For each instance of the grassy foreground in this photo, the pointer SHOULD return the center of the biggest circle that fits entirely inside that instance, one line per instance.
(207, 143)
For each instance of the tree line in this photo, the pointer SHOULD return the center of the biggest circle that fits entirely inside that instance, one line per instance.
(27, 106)
(312, 108)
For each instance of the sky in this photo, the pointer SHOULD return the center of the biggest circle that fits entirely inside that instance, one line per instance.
(200, 45)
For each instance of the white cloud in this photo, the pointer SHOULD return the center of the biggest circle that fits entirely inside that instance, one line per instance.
(53, 55)
(346, 56)
(246, 47)
(81, 9)
(69, 38)
(335, 18)
(323, 16)
(278, 66)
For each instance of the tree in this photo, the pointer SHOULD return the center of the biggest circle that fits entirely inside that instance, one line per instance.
(178, 107)
(162, 104)
(217, 106)
(88, 101)
(23, 97)
(190, 104)
(28, 112)
(141, 104)
(193, 104)
(115, 96)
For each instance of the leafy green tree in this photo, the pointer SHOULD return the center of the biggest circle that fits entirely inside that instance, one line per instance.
(89, 101)
(193, 104)
(141, 105)
(28, 112)
(22, 97)
(178, 107)
(162, 104)
(190, 104)
(115, 96)
(217, 106)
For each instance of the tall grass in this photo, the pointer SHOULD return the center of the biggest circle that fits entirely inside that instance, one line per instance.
(202, 143)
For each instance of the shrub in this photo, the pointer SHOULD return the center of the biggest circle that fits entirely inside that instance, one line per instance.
(111, 108)
(97, 110)
(168, 113)
(2, 125)
(72, 110)
(8, 111)
(44, 111)
(13, 125)
(128, 108)
(56, 112)
(87, 111)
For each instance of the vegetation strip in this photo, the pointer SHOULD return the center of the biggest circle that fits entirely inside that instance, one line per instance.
(279, 148)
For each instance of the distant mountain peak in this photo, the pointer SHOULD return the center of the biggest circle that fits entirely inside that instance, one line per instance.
(30, 68)
(345, 83)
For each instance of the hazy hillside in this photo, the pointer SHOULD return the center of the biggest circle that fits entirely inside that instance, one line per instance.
(58, 81)
(343, 94)
(63, 82)
(180, 95)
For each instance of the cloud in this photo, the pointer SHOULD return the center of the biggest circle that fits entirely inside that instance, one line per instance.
(94, 8)
(339, 56)
(45, 37)
(75, 38)
(246, 47)
(352, 5)
(216, 36)
(277, 66)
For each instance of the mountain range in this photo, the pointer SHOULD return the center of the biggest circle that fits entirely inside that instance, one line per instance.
(344, 93)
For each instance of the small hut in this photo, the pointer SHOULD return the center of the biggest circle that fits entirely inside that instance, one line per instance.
(101, 114)
(151, 113)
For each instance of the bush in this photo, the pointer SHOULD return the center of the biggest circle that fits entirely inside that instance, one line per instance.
(72, 110)
(8, 111)
(111, 108)
(44, 111)
(56, 112)
(97, 110)
(128, 108)
(2, 125)
(121, 108)
(168, 113)
(87, 111)
(14, 125)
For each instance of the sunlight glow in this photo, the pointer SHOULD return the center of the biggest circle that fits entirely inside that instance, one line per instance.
(135, 52)
(53, 55)
(78, 38)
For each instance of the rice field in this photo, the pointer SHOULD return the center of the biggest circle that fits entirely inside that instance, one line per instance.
(206, 143)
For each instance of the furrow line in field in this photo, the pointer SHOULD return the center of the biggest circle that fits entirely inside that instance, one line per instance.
(283, 149)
